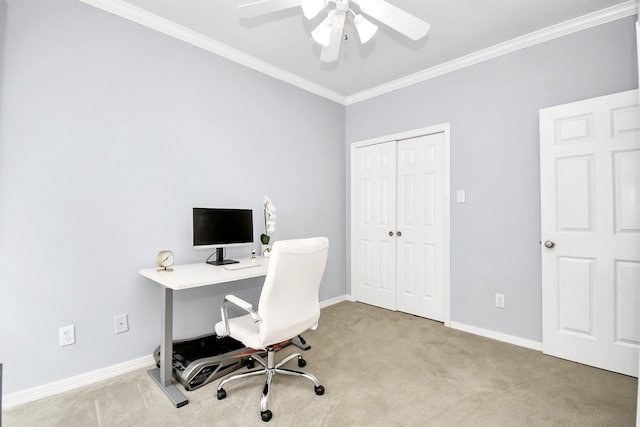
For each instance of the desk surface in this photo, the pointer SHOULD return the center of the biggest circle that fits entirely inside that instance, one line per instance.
(202, 274)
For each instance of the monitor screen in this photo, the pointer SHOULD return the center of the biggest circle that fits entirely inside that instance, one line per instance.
(222, 227)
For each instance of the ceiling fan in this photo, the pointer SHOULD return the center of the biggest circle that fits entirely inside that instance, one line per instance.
(330, 32)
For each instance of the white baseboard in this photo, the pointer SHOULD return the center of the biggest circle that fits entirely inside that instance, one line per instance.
(509, 339)
(57, 387)
(332, 301)
(67, 384)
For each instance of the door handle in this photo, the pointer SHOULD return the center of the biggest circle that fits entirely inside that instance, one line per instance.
(549, 244)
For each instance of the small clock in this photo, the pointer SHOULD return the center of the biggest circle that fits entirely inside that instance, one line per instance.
(165, 260)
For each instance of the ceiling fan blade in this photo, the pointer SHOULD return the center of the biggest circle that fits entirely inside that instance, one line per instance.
(311, 8)
(263, 7)
(332, 52)
(396, 18)
(322, 33)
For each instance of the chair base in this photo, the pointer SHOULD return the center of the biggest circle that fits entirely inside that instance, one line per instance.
(270, 369)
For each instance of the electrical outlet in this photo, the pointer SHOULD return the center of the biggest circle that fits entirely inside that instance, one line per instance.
(67, 335)
(122, 323)
(500, 301)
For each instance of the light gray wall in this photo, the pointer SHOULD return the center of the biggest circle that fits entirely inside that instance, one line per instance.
(493, 111)
(110, 133)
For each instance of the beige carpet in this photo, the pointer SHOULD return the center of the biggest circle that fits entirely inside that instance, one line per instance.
(379, 368)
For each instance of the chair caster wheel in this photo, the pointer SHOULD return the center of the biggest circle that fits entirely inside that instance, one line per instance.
(319, 390)
(266, 415)
(251, 363)
(301, 362)
(221, 394)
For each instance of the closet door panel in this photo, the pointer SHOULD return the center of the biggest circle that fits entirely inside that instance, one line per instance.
(420, 226)
(373, 263)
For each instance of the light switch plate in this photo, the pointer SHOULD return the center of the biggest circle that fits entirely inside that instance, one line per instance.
(461, 197)
(501, 302)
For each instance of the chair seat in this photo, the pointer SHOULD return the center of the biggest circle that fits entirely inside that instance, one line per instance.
(243, 329)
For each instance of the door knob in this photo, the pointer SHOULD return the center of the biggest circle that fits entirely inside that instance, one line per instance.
(391, 234)
(549, 244)
(399, 233)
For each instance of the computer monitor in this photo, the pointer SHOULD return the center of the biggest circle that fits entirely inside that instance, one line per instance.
(220, 228)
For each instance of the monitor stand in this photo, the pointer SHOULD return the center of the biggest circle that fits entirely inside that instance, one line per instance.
(219, 260)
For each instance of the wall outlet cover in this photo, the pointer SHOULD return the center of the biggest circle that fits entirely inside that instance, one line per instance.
(67, 335)
(121, 323)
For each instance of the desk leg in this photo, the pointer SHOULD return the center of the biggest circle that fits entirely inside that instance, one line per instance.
(162, 375)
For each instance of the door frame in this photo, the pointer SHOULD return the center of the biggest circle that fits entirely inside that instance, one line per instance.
(444, 128)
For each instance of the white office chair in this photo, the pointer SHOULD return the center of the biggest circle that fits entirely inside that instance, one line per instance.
(288, 306)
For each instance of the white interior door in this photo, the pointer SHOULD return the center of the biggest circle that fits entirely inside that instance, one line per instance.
(373, 242)
(420, 226)
(590, 189)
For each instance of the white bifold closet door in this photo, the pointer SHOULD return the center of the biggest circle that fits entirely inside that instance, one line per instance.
(399, 228)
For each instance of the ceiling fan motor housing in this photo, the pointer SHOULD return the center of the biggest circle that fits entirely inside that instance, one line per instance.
(342, 6)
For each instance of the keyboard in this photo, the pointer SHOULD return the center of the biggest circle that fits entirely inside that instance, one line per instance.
(241, 265)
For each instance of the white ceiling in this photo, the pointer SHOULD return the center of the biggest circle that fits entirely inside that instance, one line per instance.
(280, 44)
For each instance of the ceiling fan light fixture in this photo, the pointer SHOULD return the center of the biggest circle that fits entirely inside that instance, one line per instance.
(311, 8)
(366, 29)
(322, 33)
(330, 33)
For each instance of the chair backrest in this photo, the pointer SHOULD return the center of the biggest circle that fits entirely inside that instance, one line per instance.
(289, 303)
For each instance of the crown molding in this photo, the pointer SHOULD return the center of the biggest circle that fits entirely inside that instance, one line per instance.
(149, 20)
(594, 19)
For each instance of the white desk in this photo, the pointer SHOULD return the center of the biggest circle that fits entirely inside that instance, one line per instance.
(187, 277)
